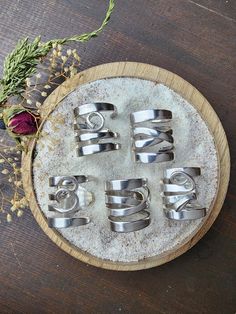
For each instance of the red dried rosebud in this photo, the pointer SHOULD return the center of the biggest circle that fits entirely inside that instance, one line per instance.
(24, 123)
(21, 121)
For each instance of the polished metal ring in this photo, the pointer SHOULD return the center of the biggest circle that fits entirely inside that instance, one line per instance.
(64, 222)
(126, 184)
(96, 148)
(66, 195)
(124, 206)
(180, 194)
(191, 171)
(127, 201)
(148, 158)
(153, 115)
(186, 214)
(152, 144)
(130, 223)
(95, 107)
(90, 111)
(91, 137)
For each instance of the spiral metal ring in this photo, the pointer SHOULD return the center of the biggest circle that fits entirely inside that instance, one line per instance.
(180, 194)
(90, 135)
(66, 198)
(127, 201)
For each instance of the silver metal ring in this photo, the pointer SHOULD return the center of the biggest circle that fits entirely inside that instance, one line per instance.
(148, 158)
(63, 222)
(127, 201)
(186, 214)
(66, 195)
(90, 137)
(125, 184)
(192, 171)
(97, 148)
(134, 223)
(95, 107)
(153, 115)
(180, 194)
(62, 181)
(152, 144)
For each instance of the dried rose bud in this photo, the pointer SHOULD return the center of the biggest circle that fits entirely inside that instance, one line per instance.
(20, 121)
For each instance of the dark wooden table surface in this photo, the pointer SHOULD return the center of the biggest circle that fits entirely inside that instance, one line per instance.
(193, 38)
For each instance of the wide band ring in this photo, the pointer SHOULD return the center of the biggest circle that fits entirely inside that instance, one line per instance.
(147, 158)
(95, 107)
(153, 115)
(186, 214)
(63, 222)
(96, 148)
(140, 221)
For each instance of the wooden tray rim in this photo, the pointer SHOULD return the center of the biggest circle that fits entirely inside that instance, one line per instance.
(188, 92)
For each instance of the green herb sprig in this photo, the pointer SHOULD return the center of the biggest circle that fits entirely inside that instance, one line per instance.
(21, 63)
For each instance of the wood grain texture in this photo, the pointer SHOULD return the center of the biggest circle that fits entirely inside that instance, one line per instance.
(35, 275)
(180, 86)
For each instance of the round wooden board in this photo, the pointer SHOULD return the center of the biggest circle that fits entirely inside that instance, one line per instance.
(180, 86)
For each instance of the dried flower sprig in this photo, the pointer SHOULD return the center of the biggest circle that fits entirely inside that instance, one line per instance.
(21, 63)
(33, 70)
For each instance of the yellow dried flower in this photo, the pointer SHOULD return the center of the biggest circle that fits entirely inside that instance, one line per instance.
(18, 183)
(20, 213)
(64, 58)
(13, 208)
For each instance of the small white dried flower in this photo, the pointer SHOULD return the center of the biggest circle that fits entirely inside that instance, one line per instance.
(59, 47)
(28, 83)
(9, 218)
(69, 52)
(5, 171)
(54, 52)
(29, 101)
(47, 86)
(38, 75)
(44, 94)
(2, 161)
